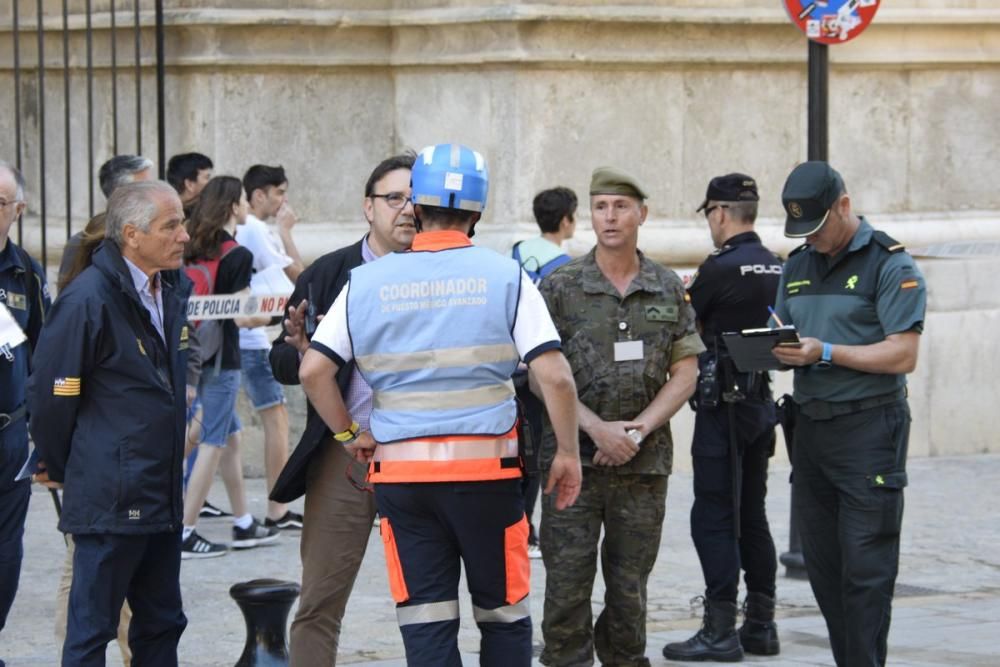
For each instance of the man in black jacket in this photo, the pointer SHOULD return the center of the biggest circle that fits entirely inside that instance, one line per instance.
(338, 510)
(107, 397)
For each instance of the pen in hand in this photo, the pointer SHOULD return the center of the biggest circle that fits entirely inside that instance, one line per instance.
(775, 316)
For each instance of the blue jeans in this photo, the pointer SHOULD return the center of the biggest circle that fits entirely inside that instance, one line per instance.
(217, 393)
(258, 380)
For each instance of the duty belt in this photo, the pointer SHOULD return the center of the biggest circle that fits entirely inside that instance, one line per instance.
(823, 410)
(6, 419)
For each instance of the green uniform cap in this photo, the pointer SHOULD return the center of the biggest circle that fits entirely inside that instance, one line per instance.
(811, 189)
(611, 181)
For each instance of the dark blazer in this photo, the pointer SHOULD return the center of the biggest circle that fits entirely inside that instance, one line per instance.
(327, 275)
(107, 401)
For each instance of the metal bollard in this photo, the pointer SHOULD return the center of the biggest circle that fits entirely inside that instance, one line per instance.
(265, 604)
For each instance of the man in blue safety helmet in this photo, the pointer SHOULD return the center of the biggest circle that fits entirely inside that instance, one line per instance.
(437, 332)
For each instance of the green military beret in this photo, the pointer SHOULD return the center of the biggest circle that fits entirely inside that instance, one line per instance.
(611, 181)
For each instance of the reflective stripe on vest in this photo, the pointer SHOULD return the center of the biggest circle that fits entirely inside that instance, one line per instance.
(405, 401)
(440, 358)
(448, 449)
(459, 458)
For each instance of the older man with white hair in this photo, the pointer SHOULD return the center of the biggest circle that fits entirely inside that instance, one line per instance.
(107, 399)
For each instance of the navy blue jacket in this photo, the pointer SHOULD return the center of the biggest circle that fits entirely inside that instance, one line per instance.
(24, 292)
(107, 400)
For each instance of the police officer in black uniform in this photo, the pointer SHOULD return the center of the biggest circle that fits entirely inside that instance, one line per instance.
(24, 292)
(733, 433)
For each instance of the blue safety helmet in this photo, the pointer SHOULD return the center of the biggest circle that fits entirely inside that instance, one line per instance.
(450, 176)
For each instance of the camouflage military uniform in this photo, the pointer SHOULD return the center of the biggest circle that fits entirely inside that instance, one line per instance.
(628, 500)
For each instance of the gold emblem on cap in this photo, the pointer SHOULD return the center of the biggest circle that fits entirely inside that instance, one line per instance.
(795, 210)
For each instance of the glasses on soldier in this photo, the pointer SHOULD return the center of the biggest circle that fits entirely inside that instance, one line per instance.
(393, 199)
(708, 211)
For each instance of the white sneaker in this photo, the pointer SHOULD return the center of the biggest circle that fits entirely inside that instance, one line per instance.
(254, 536)
(196, 546)
(534, 551)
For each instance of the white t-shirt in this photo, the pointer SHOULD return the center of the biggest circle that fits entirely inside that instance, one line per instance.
(534, 331)
(263, 241)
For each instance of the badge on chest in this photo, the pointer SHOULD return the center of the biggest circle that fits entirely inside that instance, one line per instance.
(628, 350)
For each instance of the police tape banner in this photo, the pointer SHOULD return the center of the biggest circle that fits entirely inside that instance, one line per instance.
(228, 306)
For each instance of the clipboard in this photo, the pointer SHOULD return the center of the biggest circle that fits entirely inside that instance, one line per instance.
(750, 349)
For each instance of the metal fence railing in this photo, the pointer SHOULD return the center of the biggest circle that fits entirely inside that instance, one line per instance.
(76, 33)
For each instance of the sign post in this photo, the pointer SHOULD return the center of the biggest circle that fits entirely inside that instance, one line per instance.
(824, 22)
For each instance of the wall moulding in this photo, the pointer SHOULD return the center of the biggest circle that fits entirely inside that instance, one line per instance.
(571, 37)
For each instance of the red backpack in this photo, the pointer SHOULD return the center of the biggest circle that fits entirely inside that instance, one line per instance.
(203, 274)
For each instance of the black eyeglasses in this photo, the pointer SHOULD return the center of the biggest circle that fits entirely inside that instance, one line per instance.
(393, 199)
(708, 211)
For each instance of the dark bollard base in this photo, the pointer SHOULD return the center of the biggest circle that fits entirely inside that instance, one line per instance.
(265, 604)
(795, 565)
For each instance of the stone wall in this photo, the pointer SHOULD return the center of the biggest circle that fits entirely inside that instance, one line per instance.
(674, 91)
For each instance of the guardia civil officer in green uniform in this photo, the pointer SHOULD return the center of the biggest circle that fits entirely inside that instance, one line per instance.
(631, 341)
(858, 301)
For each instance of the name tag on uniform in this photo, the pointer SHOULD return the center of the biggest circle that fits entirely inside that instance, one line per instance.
(18, 301)
(628, 350)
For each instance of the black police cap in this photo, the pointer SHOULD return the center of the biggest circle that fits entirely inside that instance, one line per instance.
(731, 187)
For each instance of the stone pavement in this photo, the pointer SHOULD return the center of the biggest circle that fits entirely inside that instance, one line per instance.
(947, 609)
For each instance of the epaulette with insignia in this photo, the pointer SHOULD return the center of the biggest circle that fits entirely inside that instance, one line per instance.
(887, 242)
(723, 250)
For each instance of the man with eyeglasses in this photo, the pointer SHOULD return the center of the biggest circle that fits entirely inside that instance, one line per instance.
(338, 509)
(24, 293)
(858, 301)
(733, 433)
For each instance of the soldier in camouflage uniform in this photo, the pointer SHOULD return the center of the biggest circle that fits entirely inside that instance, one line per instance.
(631, 341)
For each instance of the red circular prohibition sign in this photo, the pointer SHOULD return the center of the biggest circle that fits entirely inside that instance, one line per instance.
(831, 21)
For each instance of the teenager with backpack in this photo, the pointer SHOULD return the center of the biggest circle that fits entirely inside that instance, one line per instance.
(555, 213)
(216, 264)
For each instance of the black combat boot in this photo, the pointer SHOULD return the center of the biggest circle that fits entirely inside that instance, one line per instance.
(759, 634)
(717, 640)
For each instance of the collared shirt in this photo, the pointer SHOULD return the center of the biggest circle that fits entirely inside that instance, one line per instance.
(592, 317)
(859, 297)
(146, 287)
(359, 395)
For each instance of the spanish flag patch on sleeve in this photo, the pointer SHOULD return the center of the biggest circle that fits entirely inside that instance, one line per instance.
(66, 387)
(909, 284)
